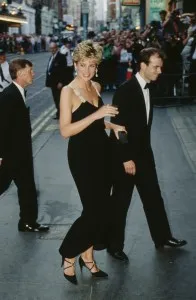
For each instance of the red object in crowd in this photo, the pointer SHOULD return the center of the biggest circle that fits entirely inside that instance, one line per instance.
(129, 73)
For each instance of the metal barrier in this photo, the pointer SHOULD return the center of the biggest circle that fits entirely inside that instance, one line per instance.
(173, 89)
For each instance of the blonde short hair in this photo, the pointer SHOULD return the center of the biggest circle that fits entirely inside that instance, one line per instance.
(88, 49)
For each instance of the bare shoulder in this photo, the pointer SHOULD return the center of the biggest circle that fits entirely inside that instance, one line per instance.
(97, 85)
(67, 93)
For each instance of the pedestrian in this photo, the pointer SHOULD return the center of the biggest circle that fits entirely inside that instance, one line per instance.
(16, 161)
(89, 156)
(56, 74)
(134, 163)
(66, 50)
(5, 78)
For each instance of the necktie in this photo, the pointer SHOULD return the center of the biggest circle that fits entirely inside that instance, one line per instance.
(2, 75)
(25, 93)
(50, 64)
(147, 86)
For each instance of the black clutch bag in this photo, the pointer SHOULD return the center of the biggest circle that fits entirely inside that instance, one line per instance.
(123, 139)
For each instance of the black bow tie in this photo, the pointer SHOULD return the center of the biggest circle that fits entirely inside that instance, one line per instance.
(147, 86)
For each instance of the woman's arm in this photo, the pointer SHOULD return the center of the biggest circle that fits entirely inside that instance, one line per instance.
(67, 128)
(112, 126)
(116, 128)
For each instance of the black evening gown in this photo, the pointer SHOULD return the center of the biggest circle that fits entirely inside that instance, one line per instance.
(89, 158)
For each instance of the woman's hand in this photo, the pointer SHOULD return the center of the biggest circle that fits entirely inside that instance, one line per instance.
(118, 128)
(130, 167)
(106, 111)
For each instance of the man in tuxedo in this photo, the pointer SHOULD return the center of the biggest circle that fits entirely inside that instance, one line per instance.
(16, 160)
(56, 74)
(5, 78)
(134, 163)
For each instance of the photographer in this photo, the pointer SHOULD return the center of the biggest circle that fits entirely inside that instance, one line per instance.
(173, 24)
(153, 35)
(186, 52)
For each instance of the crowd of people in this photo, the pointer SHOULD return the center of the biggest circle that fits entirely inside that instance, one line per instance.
(175, 34)
(32, 43)
(13, 43)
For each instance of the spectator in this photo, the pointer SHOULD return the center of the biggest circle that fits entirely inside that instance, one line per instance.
(5, 78)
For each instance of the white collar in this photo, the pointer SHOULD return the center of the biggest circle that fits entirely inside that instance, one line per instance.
(4, 63)
(141, 80)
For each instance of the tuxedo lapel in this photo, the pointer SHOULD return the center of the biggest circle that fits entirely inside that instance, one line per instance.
(151, 110)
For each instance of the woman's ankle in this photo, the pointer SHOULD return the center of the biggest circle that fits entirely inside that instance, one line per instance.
(69, 260)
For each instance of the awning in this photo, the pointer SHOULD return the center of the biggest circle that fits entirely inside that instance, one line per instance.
(11, 19)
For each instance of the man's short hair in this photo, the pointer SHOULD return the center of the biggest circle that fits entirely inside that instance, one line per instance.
(146, 53)
(18, 64)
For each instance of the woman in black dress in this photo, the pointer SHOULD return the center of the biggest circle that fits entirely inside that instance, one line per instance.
(82, 115)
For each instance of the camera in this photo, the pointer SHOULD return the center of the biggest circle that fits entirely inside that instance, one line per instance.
(175, 14)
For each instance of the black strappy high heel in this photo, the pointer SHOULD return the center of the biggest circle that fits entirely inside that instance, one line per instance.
(70, 278)
(99, 273)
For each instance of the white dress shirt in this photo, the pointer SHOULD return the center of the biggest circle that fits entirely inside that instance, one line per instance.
(51, 61)
(65, 51)
(21, 91)
(6, 74)
(146, 93)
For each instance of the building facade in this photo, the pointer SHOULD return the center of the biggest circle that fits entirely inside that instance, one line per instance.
(48, 16)
(73, 8)
(15, 17)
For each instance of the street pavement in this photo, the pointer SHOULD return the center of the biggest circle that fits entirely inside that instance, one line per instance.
(30, 263)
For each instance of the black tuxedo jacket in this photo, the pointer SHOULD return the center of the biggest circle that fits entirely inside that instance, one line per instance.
(15, 129)
(132, 114)
(57, 71)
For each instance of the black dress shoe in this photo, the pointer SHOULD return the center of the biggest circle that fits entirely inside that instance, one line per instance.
(32, 228)
(172, 242)
(120, 255)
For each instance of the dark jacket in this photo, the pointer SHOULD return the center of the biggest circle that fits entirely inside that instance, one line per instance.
(57, 71)
(132, 114)
(15, 128)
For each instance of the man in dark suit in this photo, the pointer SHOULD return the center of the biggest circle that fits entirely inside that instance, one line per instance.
(134, 161)
(56, 74)
(16, 161)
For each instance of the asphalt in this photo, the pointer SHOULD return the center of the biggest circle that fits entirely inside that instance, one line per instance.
(30, 262)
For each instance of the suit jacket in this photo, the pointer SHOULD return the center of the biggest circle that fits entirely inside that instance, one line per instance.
(15, 129)
(57, 71)
(132, 114)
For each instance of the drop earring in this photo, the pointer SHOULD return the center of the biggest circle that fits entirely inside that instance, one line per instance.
(96, 73)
